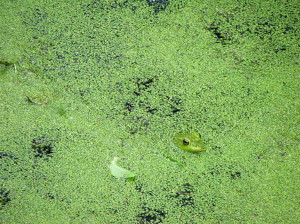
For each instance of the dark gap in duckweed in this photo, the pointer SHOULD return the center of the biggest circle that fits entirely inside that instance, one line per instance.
(97, 6)
(143, 85)
(151, 110)
(5, 63)
(232, 172)
(4, 155)
(220, 36)
(184, 195)
(210, 202)
(174, 104)
(182, 198)
(50, 196)
(92, 8)
(228, 29)
(4, 197)
(124, 4)
(141, 124)
(139, 188)
(143, 88)
(235, 175)
(129, 106)
(158, 5)
(30, 101)
(37, 16)
(149, 215)
(141, 94)
(6, 159)
(43, 147)
(53, 196)
(5, 66)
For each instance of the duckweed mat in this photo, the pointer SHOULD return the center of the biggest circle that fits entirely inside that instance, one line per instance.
(83, 82)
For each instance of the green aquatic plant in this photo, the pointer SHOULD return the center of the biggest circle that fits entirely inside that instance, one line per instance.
(62, 110)
(190, 142)
(120, 172)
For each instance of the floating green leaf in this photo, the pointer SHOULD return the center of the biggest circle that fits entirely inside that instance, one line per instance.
(120, 172)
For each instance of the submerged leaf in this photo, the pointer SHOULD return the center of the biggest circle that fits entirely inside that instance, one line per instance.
(120, 172)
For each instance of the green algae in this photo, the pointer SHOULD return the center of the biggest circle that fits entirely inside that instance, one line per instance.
(121, 78)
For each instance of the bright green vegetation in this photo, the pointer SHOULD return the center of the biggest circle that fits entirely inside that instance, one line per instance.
(85, 81)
